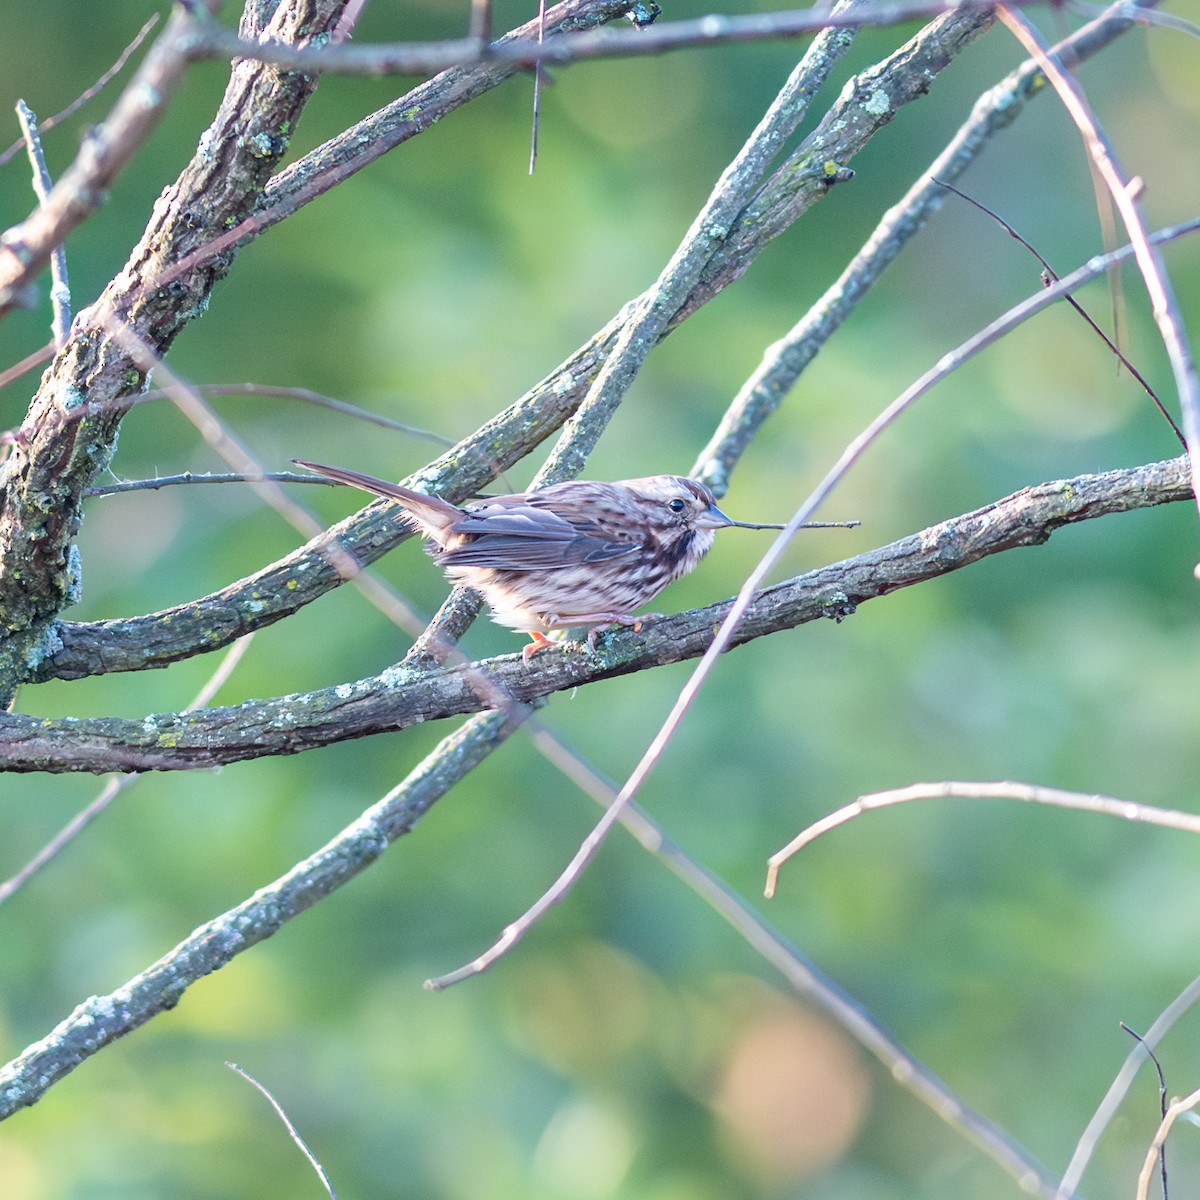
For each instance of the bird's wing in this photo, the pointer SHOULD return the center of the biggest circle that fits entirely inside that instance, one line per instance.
(511, 535)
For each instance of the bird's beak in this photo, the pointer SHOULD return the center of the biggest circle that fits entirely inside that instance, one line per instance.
(714, 518)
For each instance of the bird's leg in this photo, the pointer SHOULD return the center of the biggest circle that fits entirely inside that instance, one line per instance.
(597, 623)
(539, 641)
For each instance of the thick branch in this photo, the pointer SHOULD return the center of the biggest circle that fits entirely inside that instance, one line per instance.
(400, 696)
(56, 455)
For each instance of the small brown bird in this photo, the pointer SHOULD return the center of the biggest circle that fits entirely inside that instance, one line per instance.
(571, 554)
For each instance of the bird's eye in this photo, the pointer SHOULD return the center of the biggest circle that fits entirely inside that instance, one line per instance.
(677, 505)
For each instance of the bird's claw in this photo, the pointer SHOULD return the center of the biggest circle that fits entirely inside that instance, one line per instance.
(538, 641)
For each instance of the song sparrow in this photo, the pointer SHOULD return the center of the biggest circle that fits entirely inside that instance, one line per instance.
(570, 554)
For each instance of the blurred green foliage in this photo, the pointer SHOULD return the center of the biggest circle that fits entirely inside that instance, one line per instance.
(609, 1054)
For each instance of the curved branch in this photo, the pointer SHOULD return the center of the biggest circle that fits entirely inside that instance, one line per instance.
(402, 696)
(100, 1020)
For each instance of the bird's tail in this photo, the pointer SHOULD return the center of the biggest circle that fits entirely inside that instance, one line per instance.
(431, 514)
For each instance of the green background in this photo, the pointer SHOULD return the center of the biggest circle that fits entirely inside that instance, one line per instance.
(633, 1046)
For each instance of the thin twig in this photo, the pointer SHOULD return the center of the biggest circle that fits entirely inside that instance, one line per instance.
(1027, 793)
(287, 1124)
(308, 396)
(1157, 1147)
(189, 477)
(259, 390)
(121, 783)
(1124, 193)
(1117, 1090)
(60, 288)
(1162, 1103)
(94, 90)
(1052, 275)
(1165, 20)
(537, 87)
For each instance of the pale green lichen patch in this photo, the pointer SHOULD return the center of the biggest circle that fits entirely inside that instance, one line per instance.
(74, 575)
(877, 103)
(395, 676)
(266, 145)
(71, 397)
(44, 646)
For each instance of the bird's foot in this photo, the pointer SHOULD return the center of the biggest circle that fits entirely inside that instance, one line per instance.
(538, 641)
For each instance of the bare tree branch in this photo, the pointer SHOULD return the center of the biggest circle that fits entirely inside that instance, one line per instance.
(399, 696)
(1125, 191)
(522, 53)
(1119, 1087)
(1110, 806)
(100, 1020)
(293, 1133)
(43, 185)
